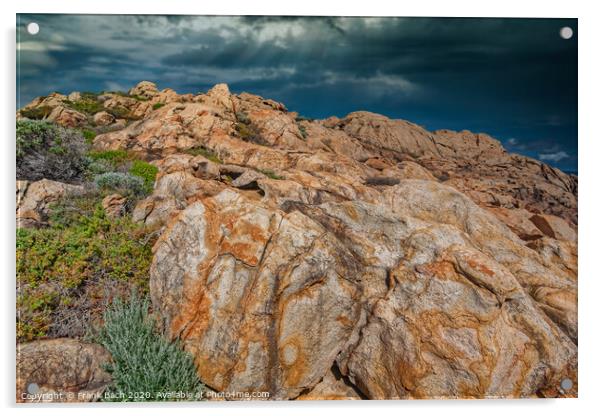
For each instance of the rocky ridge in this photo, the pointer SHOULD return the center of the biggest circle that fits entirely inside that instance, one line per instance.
(355, 257)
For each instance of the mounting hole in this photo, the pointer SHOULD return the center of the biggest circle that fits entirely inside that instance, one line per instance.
(566, 384)
(33, 388)
(33, 28)
(566, 32)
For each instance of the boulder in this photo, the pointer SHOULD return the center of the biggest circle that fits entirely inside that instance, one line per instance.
(416, 297)
(61, 370)
(103, 118)
(264, 300)
(518, 220)
(34, 199)
(67, 117)
(554, 227)
(114, 205)
(144, 89)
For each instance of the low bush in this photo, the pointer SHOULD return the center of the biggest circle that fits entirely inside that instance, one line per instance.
(157, 106)
(121, 183)
(67, 271)
(86, 104)
(119, 112)
(37, 113)
(89, 135)
(144, 361)
(146, 172)
(114, 157)
(247, 131)
(45, 150)
(302, 130)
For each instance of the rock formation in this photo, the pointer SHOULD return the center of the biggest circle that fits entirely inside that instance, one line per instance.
(360, 257)
(61, 370)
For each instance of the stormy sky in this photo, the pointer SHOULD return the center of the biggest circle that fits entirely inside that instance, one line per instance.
(515, 79)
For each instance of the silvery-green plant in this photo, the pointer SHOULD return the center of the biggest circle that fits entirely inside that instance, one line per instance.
(145, 366)
(120, 182)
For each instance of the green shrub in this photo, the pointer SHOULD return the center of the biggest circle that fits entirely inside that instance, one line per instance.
(115, 157)
(247, 131)
(302, 130)
(86, 104)
(89, 95)
(37, 113)
(65, 271)
(144, 361)
(98, 167)
(120, 112)
(201, 151)
(157, 106)
(45, 150)
(122, 183)
(89, 135)
(146, 171)
(242, 118)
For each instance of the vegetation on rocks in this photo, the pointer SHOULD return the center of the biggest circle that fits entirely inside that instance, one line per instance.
(45, 150)
(270, 174)
(248, 131)
(36, 113)
(67, 270)
(146, 172)
(142, 360)
(201, 151)
(87, 104)
(122, 183)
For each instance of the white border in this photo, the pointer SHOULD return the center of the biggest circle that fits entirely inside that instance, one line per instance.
(590, 202)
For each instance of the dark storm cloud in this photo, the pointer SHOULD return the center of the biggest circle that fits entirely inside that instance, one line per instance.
(515, 79)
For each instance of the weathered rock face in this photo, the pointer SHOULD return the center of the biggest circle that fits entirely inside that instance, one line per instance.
(61, 370)
(145, 89)
(34, 199)
(103, 118)
(427, 308)
(265, 273)
(359, 257)
(114, 205)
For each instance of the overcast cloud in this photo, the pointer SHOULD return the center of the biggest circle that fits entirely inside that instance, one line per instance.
(515, 79)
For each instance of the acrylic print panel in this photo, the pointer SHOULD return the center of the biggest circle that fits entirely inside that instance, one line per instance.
(305, 208)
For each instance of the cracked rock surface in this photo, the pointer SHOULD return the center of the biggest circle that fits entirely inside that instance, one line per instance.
(360, 257)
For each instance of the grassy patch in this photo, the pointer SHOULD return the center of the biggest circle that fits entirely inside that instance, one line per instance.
(89, 135)
(87, 104)
(144, 361)
(157, 106)
(76, 261)
(115, 157)
(201, 151)
(146, 172)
